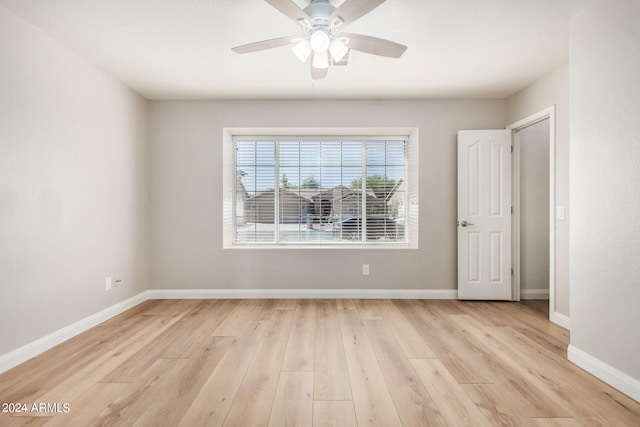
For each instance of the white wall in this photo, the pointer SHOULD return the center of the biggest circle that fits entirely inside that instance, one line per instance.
(552, 89)
(186, 196)
(73, 186)
(534, 206)
(605, 190)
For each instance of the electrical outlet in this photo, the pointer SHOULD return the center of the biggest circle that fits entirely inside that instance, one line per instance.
(108, 283)
(365, 269)
(117, 283)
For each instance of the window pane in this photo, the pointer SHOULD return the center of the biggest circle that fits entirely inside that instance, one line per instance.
(385, 178)
(352, 153)
(255, 180)
(310, 191)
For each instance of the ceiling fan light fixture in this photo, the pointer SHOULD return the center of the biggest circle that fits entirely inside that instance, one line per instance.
(320, 41)
(304, 24)
(320, 60)
(302, 50)
(337, 22)
(338, 49)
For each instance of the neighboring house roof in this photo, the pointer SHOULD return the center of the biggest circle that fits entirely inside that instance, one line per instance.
(283, 192)
(395, 188)
(307, 193)
(356, 192)
(330, 193)
(240, 188)
(311, 194)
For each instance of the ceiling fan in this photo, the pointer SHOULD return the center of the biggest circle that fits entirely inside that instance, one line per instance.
(323, 39)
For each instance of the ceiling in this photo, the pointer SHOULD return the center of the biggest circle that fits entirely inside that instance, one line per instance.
(181, 49)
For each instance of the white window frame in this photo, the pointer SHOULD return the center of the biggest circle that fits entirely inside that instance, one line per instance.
(229, 181)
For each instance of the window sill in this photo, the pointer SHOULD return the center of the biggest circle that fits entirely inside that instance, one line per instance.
(296, 246)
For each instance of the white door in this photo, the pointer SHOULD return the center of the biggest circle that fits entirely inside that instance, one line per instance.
(484, 214)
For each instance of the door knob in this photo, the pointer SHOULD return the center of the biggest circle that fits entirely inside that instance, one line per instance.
(466, 224)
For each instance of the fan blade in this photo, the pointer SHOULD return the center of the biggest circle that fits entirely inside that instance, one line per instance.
(265, 44)
(374, 45)
(289, 8)
(351, 10)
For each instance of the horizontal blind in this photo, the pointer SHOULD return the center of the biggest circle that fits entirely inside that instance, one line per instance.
(310, 190)
(255, 189)
(386, 194)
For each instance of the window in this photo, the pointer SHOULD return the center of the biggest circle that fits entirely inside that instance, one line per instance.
(313, 190)
(290, 187)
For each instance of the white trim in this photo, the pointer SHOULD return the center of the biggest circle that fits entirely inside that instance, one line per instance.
(515, 216)
(34, 348)
(561, 320)
(534, 294)
(615, 378)
(304, 293)
(547, 113)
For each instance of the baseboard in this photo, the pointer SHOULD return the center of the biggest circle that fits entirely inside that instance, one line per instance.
(561, 320)
(34, 348)
(534, 294)
(304, 293)
(619, 380)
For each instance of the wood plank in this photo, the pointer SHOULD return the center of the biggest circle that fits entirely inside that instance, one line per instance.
(368, 309)
(164, 402)
(237, 318)
(65, 359)
(293, 403)
(134, 403)
(520, 378)
(103, 362)
(183, 339)
(287, 304)
(331, 381)
(89, 406)
(346, 304)
(164, 392)
(53, 366)
(261, 379)
(371, 398)
(557, 422)
(300, 353)
(337, 413)
(465, 357)
(133, 313)
(455, 405)
(412, 401)
(408, 338)
(169, 308)
(502, 404)
(8, 421)
(590, 404)
(211, 404)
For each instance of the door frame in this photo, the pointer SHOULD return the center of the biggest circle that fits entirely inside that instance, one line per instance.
(547, 113)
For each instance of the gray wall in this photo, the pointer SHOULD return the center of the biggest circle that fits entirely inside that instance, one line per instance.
(605, 184)
(73, 186)
(186, 196)
(534, 206)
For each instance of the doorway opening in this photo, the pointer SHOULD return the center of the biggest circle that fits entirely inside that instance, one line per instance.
(533, 226)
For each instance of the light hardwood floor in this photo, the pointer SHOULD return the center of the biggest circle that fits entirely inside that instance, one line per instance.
(316, 362)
